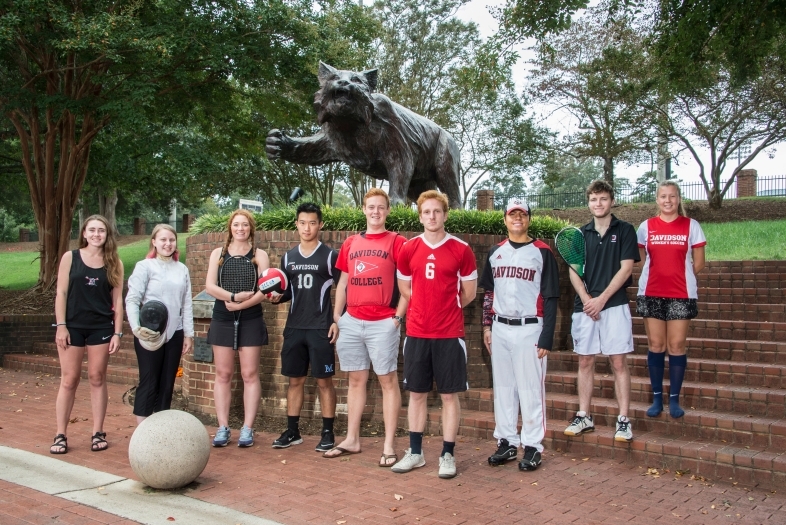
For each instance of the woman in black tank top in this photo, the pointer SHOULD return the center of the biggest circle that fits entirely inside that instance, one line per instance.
(89, 314)
(251, 331)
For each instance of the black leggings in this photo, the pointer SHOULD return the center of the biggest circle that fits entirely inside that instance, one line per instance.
(157, 373)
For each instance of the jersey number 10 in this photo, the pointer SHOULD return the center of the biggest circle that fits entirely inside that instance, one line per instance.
(305, 280)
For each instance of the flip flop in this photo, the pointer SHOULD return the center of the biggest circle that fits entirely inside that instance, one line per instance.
(343, 452)
(383, 461)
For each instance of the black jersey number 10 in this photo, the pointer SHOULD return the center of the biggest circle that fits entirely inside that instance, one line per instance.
(305, 280)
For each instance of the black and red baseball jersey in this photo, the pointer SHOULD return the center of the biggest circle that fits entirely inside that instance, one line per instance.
(436, 272)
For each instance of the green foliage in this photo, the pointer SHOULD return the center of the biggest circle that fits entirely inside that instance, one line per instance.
(9, 227)
(748, 240)
(401, 218)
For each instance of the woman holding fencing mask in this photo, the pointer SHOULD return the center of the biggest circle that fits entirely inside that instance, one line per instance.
(164, 326)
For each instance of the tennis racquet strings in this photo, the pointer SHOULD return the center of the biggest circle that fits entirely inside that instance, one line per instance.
(570, 246)
(238, 274)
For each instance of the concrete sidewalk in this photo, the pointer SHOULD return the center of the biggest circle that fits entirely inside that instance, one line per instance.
(297, 486)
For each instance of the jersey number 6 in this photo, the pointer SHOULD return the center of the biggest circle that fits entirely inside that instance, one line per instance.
(430, 270)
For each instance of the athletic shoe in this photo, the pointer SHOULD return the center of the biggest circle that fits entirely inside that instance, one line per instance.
(447, 466)
(505, 452)
(288, 438)
(624, 432)
(409, 462)
(531, 459)
(327, 442)
(221, 438)
(579, 425)
(246, 437)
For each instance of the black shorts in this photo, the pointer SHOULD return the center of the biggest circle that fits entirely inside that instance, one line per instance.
(427, 360)
(302, 347)
(250, 332)
(91, 336)
(666, 309)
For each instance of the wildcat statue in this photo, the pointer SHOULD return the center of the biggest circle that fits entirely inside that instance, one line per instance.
(376, 136)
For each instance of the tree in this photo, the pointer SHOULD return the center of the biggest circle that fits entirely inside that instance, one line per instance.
(597, 71)
(438, 66)
(723, 117)
(69, 69)
(691, 37)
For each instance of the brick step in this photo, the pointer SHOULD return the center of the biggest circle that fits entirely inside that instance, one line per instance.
(725, 311)
(734, 280)
(744, 267)
(713, 459)
(732, 330)
(745, 400)
(118, 374)
(760, 295)
(721, 372)
(749, 351)
(704, 424)
(123, 357)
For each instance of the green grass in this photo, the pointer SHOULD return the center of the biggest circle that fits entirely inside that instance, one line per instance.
(20, 269)
(746, 240)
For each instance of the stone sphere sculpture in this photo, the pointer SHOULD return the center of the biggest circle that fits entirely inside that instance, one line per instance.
(169, 449)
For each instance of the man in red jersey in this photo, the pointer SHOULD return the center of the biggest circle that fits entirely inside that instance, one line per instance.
(438, 275)
(369, 331)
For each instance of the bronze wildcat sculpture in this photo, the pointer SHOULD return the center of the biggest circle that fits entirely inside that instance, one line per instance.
(375, 135)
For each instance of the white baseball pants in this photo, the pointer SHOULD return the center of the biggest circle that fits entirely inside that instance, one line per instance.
(519, 384)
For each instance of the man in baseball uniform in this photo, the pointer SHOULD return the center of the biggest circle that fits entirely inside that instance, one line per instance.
(438, 274)
(601, 315)
(521, 283)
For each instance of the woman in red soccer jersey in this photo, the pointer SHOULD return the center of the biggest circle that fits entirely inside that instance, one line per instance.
(672, 248)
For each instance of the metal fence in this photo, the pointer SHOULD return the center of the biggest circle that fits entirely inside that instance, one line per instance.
(766, 187)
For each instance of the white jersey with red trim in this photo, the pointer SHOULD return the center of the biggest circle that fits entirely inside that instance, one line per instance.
(436, 272)
(668, 269)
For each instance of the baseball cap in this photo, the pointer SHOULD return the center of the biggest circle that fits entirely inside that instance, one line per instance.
(518, 204)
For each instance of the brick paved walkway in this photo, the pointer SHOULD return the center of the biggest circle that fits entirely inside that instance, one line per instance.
(296, 486)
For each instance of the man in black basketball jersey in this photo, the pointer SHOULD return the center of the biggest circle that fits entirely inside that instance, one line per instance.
(310, 332)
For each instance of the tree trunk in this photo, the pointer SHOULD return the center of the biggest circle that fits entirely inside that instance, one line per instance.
(84, 209)
(107, 203)
(608, 170)
(714, 198)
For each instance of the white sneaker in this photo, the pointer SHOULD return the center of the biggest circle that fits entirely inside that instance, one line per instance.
(408, 462)
(579, 425)
(624, 433)
(447, 466)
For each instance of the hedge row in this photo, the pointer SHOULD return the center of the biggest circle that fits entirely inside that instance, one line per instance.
(400, 219)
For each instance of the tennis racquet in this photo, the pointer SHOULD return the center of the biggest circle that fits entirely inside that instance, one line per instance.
(570, 246)
(238, 274)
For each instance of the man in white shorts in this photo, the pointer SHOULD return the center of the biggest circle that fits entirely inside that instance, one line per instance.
(369, 331)
(601, 315)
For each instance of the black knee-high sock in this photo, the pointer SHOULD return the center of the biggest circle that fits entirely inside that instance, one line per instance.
(416, 442)
(677, 364)
(656, 362)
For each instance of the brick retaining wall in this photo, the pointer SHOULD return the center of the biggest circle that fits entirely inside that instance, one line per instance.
(19, 332)
(198, 376)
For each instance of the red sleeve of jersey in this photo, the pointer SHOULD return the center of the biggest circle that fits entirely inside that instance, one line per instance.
(342, 263)
(469, 268)
(397, 245)
(403, 257)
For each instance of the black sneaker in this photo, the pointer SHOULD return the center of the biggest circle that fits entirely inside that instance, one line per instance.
(505, 452)
(531, 459)
(288, 438)
(327, 442)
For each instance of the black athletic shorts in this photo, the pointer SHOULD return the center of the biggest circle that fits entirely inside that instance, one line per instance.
(92, 336)
(302, 347)
(666, 309)
(250, 332)
(440, 360)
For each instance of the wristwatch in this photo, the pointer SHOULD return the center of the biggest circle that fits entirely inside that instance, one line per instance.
(119, 334)
(399, 319)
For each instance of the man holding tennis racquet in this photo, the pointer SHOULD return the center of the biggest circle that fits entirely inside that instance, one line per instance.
(237, 326)
(601, 315)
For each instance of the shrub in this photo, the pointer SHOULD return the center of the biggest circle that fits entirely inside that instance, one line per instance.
(401, 219)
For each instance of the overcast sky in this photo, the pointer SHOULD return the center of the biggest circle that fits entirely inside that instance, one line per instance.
(684, 167)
